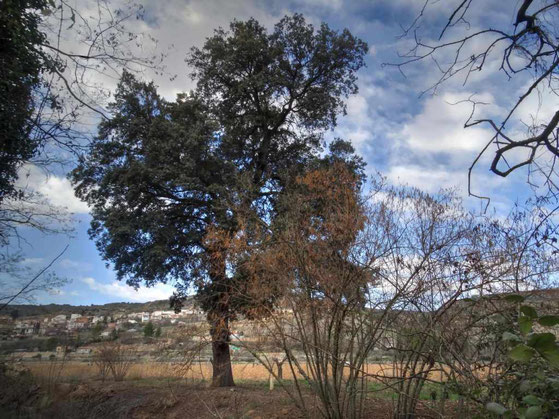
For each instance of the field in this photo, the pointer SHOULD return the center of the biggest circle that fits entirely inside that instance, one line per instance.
(78, 371)
(172, 399)
(154, 389)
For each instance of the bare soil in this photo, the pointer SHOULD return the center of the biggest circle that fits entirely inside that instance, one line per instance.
(159, 398)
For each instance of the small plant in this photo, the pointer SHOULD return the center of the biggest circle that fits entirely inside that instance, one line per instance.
(114, 334)
(52, 377)
(102, 364)
(532, 370)
(51, 344)
(149, 330)
(96, 331)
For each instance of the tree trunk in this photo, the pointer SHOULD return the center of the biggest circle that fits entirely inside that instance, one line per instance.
(218, 311)
(222, 371)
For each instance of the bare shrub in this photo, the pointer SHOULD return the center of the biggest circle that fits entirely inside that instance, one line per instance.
(186, 352)
(352, 278)
(54, 372)
(102, 364)
(113, 358)
(321, 322)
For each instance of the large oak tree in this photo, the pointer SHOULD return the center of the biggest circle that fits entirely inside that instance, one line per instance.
(163, 177)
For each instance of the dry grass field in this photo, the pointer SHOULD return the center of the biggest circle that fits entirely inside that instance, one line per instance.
(72, 389)
(198, 371)
(151, 390)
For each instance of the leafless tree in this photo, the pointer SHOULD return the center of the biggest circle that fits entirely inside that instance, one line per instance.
(32, 210)
(18, 283)
(528, 49)
(89, 45)
(86, 47)
(354, 279)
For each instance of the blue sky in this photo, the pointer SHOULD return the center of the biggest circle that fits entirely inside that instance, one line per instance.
(410, 138)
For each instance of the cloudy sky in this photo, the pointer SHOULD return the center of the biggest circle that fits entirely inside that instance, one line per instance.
(410, 138)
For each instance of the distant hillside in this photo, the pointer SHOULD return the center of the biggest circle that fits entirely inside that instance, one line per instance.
(25, 310)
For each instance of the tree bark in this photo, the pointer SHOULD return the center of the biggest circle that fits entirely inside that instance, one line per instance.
(220, 333)
(219, 311)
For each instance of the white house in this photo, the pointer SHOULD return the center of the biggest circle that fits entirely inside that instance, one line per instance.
(27, 327)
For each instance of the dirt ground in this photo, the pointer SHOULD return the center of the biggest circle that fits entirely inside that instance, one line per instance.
(163, 399)
(73, 390)
(159, 398)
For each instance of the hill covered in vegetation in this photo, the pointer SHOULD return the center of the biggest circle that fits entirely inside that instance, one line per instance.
(24, 310)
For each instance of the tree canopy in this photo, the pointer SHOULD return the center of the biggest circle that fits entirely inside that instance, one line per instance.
(161, 175)
(21, 65)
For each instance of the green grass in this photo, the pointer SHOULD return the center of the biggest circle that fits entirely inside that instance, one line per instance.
(375, 389)
(382, 391)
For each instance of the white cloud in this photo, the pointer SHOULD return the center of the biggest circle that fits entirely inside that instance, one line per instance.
(539, 107)
(366, 119)
(75, 265)
(32, 261)
(439, 127)
(357, 108)
(178, 27)
(57, 190)
(428, 180)
(122, 292)
(331, 4)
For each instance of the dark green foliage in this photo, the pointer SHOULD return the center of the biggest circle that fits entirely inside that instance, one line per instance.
(26, 310)
(529, 386)
(149, 330)
(518, 355)
(160, 174)
(157, 333)
(114, 334)
(19, 390)
(96, 331)
(151, 179)
(169, 181)
(51, 344)
(275, 94)
(21, 64)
